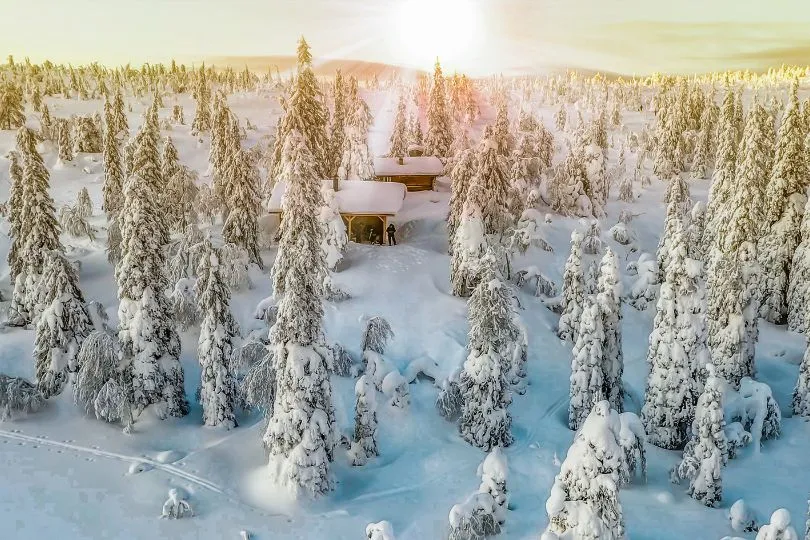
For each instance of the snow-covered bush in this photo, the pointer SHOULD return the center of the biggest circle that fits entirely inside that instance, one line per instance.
(184, 303)
(258, 386)
(342, 361)
(755, 408)
(592, 242)
(483, 514)
(584, 500)
(101, 386)
(395, 387)
(528, 232)
(645, 289)
(74, 223)
(380, 531)
(333, 293)
(741, 517)
(736, 437)
(235, 264)
(18, 397)
(449, 400)
(267, 311)
(176, 506)
(779, 528)
(623, 233)
(543, 285)
(376, 335)
(632, 438)
(335, 238)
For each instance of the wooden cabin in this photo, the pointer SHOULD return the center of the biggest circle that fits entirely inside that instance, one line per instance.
(365, 206)
(417, 173)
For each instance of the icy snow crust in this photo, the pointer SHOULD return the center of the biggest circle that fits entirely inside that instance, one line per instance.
(72, 477)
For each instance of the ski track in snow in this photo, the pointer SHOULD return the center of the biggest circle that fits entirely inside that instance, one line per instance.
(15, 435)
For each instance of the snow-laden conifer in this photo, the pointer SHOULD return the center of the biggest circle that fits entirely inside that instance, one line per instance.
(63, 324)
(485, 420)
(335, 238)
(676, 351)
(584, 500)
(461, 176)
(587, 381)
(609, 299)
(218, 335)
(300, 435)
(573, 291)
(364, 443)
(483, 513)
(440, 130)
(704, 455)
(775, 253)
(241, 225)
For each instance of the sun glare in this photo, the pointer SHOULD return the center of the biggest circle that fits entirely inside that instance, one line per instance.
(427, 29)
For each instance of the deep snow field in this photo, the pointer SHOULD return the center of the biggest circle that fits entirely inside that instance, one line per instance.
(67, 476)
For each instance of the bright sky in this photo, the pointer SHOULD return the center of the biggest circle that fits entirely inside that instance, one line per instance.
(475, 36)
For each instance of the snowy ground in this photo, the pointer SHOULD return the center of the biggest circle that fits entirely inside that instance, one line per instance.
(75, 477)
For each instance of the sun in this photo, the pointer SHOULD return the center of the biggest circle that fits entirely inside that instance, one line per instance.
(427, 29)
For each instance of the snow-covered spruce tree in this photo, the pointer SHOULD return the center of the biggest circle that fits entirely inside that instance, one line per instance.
(38, 233)
(584, 500)
(356, 162)
(461, 176)
(667, 160)
(299, 164)
(609, 299)
(219, 154)
(180, 199)
(801, 392)
(725, 165)
(63, 324)
(146, 327)
(594, 162)
(364, 443)
(483, 513)
(798, 293)
(113, 190)
(12, 111)
(676, 350)
(744, 216)
(118, 119)
(728, 302)
(241, 226)
(573, 291)
(790, 169)
(568, 187)
(306, 115)
(485, 420)
(704, 146)
(440, 130)
(46, 127)
(337, 127)
(470, 243)
(399, 135)
(677, 206)
(775, 253)
(88, 137)
(300, 435)
(184, 304)
(501, 135)
(202, 93)
(64, 139)
(415, 132)
(703, 457)
(218, 333)
(170, 162)
(15, 209)
(335, 238)
(696, 232)
(587, 378)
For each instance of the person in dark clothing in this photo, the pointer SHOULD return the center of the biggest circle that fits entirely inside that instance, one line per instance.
(392, 231)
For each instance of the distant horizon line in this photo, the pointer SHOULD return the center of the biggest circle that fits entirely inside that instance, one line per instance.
(233, 60)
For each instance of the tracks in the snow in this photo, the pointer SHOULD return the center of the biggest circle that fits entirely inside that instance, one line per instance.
(153, 464)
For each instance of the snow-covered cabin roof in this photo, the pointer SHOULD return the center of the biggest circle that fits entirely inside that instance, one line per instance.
(411, 166)
(355, 197)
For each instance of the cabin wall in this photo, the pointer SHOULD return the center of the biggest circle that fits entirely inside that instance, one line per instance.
(413, 183)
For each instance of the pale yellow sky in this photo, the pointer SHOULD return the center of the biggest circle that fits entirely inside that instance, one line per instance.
(626, 36)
